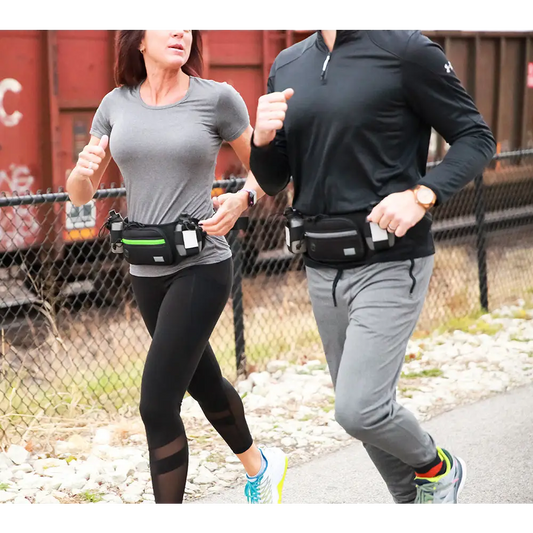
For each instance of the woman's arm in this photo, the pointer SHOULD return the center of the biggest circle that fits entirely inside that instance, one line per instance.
(232, 205)
(83, 181)
(242, 147)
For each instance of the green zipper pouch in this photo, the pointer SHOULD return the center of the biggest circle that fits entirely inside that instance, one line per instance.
(147, 245)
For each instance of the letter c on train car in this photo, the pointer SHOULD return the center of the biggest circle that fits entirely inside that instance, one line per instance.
(9, 84)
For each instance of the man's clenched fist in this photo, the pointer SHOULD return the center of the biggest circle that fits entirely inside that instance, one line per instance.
(270, 116)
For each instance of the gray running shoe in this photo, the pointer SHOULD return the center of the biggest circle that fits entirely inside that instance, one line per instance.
(445, 488)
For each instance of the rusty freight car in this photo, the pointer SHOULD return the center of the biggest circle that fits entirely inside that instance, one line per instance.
(52, 81)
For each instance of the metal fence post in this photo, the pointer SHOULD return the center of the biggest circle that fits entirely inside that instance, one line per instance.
(237, 302)
(481, 242)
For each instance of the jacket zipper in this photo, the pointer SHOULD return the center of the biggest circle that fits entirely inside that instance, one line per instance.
(325, 67)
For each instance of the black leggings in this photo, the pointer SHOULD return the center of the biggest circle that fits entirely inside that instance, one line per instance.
(180, 312)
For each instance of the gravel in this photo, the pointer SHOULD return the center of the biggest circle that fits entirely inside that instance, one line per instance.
(291, 406)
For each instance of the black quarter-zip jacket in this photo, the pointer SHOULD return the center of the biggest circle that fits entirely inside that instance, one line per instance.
(359, 123)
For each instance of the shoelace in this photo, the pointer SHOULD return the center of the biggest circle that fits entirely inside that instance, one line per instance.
(253, 490)
(258, 490)
(426, 492)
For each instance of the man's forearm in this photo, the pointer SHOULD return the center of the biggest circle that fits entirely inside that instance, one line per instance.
(270, 168)
(466, 159)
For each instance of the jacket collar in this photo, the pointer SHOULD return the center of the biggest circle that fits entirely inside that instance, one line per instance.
(343, 36)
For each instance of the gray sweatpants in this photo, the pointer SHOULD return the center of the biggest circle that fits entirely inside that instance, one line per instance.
(365, 339)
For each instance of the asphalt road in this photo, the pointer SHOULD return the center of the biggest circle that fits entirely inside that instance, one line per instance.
(494, 437)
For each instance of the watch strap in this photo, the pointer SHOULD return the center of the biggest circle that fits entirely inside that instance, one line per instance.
(251, 197)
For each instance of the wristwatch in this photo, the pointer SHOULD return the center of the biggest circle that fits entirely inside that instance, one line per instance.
(424, 196)
(252, 196)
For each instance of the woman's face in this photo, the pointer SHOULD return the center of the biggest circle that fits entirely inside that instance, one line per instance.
(167, 48)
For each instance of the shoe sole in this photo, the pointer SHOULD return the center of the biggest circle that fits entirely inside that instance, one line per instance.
(280, 484)
(463, 478)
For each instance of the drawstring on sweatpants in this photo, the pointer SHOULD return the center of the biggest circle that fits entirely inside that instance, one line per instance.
(335, 282)
(412, 276)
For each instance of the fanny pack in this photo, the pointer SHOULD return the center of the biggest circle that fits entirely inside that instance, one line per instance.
(335, 238)
(155, 244)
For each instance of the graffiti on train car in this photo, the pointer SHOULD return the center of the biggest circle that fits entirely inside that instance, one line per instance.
(17, 224)
(9, 85)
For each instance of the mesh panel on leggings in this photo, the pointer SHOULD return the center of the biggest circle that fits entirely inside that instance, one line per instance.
(230, 422)
(168, 466)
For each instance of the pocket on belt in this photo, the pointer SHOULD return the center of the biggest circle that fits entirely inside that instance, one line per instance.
(335, 240)
(147, 246)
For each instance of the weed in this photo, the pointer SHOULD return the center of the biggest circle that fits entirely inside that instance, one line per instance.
(91, 497)
(518, 339)
(4, 486)
(520, 313)
(470, 324)
(407, 391)
(430, 373)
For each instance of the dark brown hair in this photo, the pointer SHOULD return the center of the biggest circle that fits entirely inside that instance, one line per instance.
(129, 63)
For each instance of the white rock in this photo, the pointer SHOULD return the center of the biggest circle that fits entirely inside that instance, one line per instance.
(59, 495)
(204, 477)
(112, 498)
(18, 454)
(496, 386)
(48, 500)
(232, 459)
(259, 378)
(20, 500)
(102, 436)
(125, 467)
(5, 462)
(136, 487)
(130, 497)
(275, 366)
(313, 363)
(6, 496)
(54, 471)
(25, 467)
(244, 387)
(211, 466)
(144, 476)
(42, 465)
(261, 390)
(53, 484)
(142, 465)
(288, 442)
(32, 482)
(73, 482)
(141, 439)
(148, 497)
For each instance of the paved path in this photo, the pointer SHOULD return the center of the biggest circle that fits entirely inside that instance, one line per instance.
(494, 437)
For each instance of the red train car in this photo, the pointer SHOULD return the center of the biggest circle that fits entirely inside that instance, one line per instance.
(52, 81)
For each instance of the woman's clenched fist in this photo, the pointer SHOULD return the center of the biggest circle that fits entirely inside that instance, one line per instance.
(90, 158)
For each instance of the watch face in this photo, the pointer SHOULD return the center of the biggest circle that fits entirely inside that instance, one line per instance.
(425, 196)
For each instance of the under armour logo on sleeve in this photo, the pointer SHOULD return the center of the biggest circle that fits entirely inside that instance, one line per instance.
(448, 67)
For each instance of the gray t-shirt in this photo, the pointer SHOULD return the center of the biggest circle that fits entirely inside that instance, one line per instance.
(167, 156)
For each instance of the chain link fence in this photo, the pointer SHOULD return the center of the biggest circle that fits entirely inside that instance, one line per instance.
(72, 340)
